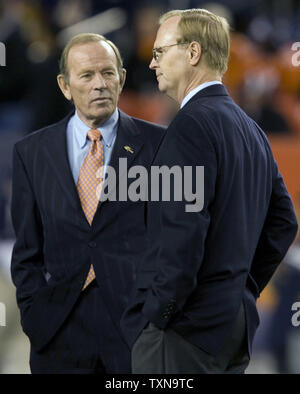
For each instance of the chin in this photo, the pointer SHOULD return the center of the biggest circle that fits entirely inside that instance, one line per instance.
(103, 116)
(162, 88)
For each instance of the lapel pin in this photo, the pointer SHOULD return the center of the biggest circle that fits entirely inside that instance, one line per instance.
(128, 149)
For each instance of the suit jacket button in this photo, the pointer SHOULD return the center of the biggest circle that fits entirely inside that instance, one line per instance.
(92, 244)
(165, 315)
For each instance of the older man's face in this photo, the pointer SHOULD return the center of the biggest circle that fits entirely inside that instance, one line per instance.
(171, 64)
(94, 82)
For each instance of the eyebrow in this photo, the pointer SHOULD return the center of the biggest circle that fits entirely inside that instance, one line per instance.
(109, 68)
(88, 70)
(85, 71)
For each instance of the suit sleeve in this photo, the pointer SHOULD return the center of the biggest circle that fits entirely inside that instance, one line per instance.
(27, 256)
(278, 233)
(183, 233)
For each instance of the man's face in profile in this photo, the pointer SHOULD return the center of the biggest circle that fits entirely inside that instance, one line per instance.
(94, 83)
(171, 64)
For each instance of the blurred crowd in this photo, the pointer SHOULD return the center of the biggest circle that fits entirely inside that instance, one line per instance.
(261, 78)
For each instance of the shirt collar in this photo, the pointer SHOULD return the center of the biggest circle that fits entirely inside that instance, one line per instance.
(108, 129)
(197, 89)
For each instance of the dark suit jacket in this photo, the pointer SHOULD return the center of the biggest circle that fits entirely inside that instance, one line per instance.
(55, 245)
(201, 265)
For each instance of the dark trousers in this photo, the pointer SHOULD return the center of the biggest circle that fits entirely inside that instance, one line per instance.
(166, 352)
(87, 343)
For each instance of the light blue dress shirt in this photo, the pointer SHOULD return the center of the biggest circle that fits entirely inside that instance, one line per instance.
(197, 89)
(78, 143)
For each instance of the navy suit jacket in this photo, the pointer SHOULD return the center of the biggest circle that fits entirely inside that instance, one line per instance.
(200, 266)
(55, 245)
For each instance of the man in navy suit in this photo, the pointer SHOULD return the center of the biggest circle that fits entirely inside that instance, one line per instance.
(74, 327)
(193, 309)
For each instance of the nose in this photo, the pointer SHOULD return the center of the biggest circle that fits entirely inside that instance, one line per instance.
(153, 64)
(99, 82)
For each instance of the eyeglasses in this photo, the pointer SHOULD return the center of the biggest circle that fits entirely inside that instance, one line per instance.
(157, 52)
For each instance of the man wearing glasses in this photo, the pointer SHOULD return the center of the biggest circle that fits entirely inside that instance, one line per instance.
(194, 306)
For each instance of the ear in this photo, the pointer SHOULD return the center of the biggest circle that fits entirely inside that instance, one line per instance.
(122, 79)
(64, 87)
(195, 53)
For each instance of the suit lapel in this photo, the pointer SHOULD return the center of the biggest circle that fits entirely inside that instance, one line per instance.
(57, 155)
(129, 136)
(128, 143)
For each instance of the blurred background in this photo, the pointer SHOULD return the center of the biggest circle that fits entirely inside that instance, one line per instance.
(261, 78)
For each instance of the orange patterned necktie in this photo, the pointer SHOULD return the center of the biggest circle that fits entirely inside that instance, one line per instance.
(89, 182)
